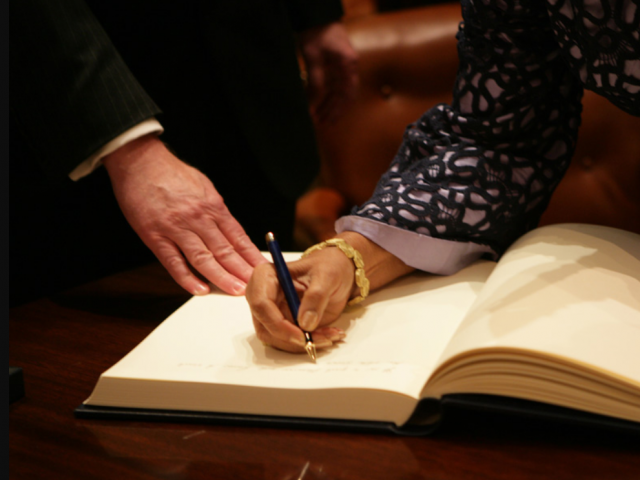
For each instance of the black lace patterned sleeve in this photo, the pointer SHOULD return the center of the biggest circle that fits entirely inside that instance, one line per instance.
(471, 177)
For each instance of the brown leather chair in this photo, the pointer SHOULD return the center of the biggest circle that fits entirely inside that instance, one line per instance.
(408, 62)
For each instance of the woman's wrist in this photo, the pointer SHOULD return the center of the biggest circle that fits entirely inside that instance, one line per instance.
(380, 266)
(355, 264)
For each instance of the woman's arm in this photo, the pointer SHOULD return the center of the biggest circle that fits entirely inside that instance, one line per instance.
(471, 177)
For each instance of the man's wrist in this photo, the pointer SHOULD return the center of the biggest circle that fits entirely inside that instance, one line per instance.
(129, 156)
(149, 126)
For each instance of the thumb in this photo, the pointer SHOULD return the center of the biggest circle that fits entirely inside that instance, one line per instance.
(313, 305)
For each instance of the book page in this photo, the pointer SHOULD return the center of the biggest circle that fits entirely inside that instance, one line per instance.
(393, 341)
(567, 291)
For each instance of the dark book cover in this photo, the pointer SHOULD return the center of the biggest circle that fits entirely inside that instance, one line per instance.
(426, 419)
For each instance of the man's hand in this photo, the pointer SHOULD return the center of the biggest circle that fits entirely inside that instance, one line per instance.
(332, 70)
(179, 215)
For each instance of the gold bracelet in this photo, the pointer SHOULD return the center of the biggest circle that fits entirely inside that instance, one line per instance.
(361, 280)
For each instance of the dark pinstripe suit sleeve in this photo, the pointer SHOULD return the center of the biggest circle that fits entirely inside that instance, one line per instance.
(70, 91)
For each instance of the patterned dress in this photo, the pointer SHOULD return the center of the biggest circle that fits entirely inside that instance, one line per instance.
(471, 177)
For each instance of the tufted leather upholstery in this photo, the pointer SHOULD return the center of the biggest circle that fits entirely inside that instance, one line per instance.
(408, 63)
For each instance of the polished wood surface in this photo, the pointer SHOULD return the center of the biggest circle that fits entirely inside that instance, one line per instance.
(63, 343)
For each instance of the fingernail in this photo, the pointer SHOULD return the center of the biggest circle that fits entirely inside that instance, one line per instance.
(336, 336)
(239, 288)
(297, 341)
(324, 343)
(308, 320)
(200, 289)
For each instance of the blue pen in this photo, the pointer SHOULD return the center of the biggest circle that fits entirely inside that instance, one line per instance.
(284, 277)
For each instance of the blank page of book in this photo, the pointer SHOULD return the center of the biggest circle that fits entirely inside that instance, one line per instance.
(393, 340)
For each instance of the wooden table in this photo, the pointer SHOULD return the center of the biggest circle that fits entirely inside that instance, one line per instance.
(63, 343)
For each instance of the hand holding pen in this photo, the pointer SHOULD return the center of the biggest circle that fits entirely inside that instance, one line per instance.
(323, 293)
(327, 277)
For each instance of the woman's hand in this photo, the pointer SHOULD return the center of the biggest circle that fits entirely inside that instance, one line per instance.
(325, 281)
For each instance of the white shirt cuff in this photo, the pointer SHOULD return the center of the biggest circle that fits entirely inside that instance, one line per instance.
(429, 254)
(150, 125)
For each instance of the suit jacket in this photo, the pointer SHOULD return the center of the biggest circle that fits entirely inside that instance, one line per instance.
(84, 72)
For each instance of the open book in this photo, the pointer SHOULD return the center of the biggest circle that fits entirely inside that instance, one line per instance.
(556, 320)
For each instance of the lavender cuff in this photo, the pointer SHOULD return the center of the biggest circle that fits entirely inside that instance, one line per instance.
(433, 255)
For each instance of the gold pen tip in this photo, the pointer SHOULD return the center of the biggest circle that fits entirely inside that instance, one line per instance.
(270, 237)
(311, 350)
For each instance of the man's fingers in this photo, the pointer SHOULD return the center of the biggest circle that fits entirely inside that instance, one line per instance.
(211, 254)
(173, 261)
(185, 246)
(219, 249)
(217, 253)
(234, 234)
(176, 210)
(207, 263)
